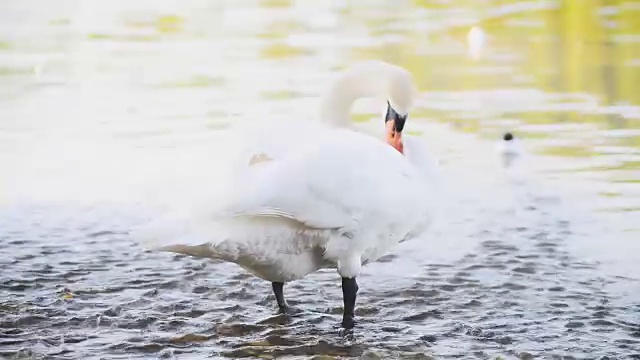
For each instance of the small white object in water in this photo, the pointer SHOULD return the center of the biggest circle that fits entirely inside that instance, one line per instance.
(476, 38)
(508, 149)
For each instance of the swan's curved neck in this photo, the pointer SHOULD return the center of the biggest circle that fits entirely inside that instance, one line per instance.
(368, 79)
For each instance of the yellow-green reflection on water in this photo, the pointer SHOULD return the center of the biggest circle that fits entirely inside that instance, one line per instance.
(282, 50)
(280, 29)
(568, 151)
(10, 71)
(195, 81)
(162, 24)
(128, 37)
(575, 47)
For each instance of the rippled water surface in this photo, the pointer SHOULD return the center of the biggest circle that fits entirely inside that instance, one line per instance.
(112, 110)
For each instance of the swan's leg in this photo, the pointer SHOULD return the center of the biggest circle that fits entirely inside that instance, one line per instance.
(277, 291)
(349, 267)
(349, 292)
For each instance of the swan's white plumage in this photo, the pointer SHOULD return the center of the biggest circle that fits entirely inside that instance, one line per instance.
(327, 196)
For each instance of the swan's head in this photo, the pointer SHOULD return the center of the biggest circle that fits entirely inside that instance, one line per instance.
(373, 78)
(394, 124)
(401, 90)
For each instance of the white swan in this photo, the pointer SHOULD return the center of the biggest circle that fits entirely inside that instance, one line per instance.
(329, 197)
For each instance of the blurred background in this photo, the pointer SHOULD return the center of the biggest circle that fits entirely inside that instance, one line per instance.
(107, 105)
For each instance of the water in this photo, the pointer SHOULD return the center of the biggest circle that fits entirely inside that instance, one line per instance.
(111, 109)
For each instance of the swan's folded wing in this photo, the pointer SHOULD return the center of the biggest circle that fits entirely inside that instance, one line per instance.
(310, 211)
(329, 185)
(292, 192)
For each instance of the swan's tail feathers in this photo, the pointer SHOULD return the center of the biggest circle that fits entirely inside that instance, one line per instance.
(200, 251)
(179, 236)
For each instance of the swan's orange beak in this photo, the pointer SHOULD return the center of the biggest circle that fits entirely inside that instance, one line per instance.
(394, 137)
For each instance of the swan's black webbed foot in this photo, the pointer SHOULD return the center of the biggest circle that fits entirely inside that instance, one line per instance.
(349, 292)
(289, 310)
(348, 322)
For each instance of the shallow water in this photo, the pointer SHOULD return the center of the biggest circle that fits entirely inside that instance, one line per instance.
(112, 109)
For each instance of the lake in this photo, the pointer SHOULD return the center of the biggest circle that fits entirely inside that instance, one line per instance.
(113, 111)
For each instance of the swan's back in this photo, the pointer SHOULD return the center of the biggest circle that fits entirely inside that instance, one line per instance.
(340, 182)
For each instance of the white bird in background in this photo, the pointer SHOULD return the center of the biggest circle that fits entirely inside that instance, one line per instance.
(320, 196)
(476, 38)
(508, 149)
